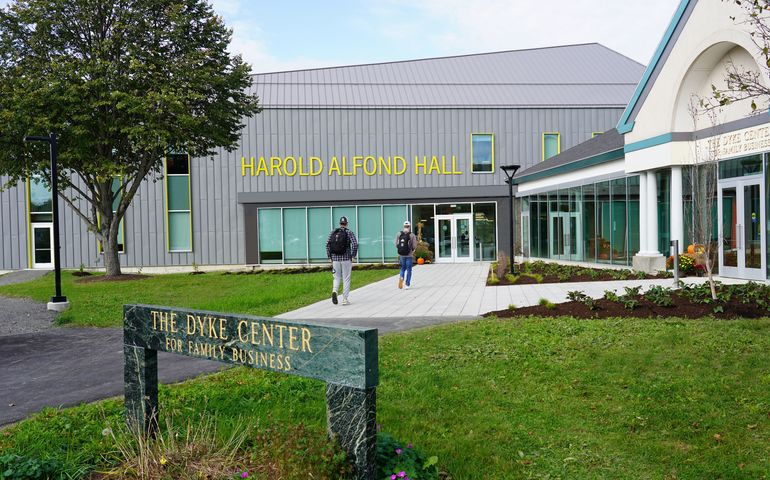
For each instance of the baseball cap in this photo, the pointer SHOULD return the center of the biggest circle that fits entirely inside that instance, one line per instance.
(407, 224)
(343, 220)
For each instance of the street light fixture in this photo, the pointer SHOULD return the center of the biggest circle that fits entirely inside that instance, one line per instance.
(58, 302)
(510, 171)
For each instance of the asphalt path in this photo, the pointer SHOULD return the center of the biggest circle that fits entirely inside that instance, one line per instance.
(62, 367)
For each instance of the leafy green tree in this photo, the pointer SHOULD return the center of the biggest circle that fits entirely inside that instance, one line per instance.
(122, 82)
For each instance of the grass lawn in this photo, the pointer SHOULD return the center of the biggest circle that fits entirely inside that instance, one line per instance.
(524, 398)
(100, 304)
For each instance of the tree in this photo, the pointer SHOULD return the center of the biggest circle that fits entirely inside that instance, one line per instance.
(123, 83)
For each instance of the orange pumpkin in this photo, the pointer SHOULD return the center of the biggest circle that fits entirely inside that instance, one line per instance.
(420, 261)
(691, 248)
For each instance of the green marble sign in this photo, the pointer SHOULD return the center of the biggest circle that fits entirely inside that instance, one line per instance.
(344, 357)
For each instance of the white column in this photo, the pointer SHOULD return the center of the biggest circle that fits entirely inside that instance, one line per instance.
(652, 215)
(642, 212)
(677, 207)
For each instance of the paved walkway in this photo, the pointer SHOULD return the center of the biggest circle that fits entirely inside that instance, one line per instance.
(446, 292)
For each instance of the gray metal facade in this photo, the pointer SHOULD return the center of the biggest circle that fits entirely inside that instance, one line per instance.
(342, 124)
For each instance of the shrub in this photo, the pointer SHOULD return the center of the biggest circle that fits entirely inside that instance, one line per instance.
(611, 296)
(544, 302)
(659, 295)
(511, 307)
(535, 276)
(393, 457)
(686, 263)
(493, 280)
(576, 296)
(423, 251)
(511, 278)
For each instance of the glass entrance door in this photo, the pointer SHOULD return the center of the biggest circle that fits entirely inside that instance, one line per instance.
(42, 245)
(741, 217)
(454, 238)
(564, 236)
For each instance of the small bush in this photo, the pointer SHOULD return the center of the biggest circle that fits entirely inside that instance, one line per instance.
(660, 296)
(423, 251)
(393, 457)
(511, 278)
(535, 276)
(611, 296)
(544, 302)
(511, 307)
(493, 279)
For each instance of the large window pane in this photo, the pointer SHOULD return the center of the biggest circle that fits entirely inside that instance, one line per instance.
(319, 226)
(534, 238)
(370, 234)
(393, 218)
(603, 224)
(294, 235)
(178, 164)
(542, 225)
(664, 210)
(484, 230)
(40, 200)
(588, 237)
(269, 224)
(634, 227)
(738, 167)
(423, 225)
(179, 231)
(575, 224)
(619, 223)
(349, 213)
(179, 193)
(482, 152)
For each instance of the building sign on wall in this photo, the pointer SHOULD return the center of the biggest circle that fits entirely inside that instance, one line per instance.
(344, 166)
(741, 142)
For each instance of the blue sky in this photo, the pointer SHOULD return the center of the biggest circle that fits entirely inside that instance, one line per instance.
(276, 35)
(292, 34)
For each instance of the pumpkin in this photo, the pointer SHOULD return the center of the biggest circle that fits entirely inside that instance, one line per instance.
(691, 248)
(420, 261)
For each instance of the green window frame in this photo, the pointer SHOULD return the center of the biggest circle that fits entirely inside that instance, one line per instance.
(116, 182)
(551, 144)
(482, 152)
(178, 203)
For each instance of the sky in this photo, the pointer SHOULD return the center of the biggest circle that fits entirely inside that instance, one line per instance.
(277, 35)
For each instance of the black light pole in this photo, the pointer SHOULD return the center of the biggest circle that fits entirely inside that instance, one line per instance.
(510, 171)
(58, 301)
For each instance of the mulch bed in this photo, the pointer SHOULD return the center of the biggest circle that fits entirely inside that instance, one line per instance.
(526, 280)
(682, 308)
(121, 278)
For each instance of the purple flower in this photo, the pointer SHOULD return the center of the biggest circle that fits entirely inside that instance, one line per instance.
(409, 445)
(398, 452)
(401, 474)
(245, 475)
(393, 477)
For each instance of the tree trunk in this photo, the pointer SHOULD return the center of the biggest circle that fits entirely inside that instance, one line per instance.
(110, 249)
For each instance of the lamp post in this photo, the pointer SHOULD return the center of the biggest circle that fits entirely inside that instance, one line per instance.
(58, 302)
(510, 171)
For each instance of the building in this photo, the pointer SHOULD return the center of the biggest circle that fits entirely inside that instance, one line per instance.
(621, 197)
(380, 143)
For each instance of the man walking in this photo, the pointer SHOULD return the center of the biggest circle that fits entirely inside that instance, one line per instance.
(341, 249)
(406, 244)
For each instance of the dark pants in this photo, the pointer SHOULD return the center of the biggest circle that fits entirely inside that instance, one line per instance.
(406, 266)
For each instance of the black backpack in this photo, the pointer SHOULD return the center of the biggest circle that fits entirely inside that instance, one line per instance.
(403, 244)
(339, 242)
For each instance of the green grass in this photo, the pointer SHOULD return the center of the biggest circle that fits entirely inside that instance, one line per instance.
(100, 304)
(525, 398)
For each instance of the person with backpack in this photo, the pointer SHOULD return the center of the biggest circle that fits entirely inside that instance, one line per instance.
(341, 249)
(406, 244)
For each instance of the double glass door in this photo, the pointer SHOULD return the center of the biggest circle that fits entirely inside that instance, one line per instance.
(42, 245)
(741, 217)
(454, 238)
(564, 236)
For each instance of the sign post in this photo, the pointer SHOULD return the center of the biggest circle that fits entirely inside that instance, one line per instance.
(344, 357)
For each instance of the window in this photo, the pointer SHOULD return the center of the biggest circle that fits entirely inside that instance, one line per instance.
(595, 134)
(270, 236)
(319, 225)
(295, 235)
(40, 201)
(116, 182)
(485, 231)
(178, 210)
(369, 234)
(482, 152)
(551, 144)
(393, 218)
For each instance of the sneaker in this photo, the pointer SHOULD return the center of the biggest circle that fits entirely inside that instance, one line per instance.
(345, 301)
(334, 298)
(407, 287)
(400, 282)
